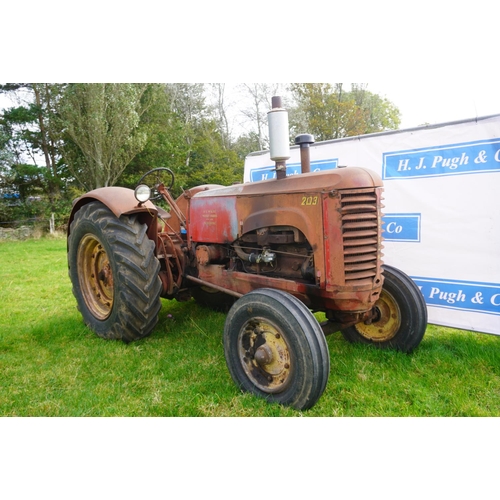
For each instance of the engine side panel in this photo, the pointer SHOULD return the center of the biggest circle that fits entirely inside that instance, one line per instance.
(213, 220)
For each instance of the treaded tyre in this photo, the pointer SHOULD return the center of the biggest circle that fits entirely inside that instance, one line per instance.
(275, 349)
(401, 315)
(114, 273)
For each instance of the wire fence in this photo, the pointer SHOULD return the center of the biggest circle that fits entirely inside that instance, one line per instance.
(24, 222)
(27, 228)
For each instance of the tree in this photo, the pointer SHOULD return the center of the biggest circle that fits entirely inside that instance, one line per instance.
(33, 132)
(166, 144)
(185, 135)
(211, 162)
(46, 99)
(379, 113)
(219, 109)
(5, 155)
(208, 160)
(245, 144)
(6, 160)
(187, 102)
(102, 120)
(329, 112)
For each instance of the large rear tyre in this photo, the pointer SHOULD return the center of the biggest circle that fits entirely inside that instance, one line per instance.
(114, 273)
(401, 315)
(275, 349)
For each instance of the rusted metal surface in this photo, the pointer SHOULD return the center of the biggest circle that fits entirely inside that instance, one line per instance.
(276, 102)
(385, 322)
(308, 235)
(121, 201)
(210, 253)
(213, 219)
(96, 276)
(337, 179)
(169, 250)
(214, 286)
(265, 355)
(118, 199)
(315, 235)
(304, 141)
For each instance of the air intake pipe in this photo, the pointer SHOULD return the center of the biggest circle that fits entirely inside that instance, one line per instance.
(304, 141)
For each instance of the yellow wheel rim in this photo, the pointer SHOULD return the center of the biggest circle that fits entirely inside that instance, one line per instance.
(264, 355)
(96, 276)
(387, 321)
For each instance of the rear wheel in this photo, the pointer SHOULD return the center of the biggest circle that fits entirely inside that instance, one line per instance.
(275, 349)
(400, 315)
(114, 273)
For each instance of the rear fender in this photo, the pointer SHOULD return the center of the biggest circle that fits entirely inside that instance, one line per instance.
(121, 201)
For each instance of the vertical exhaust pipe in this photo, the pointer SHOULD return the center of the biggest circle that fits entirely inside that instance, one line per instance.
(279, 143)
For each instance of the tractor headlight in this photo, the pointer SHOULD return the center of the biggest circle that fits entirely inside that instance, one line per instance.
(142, 193)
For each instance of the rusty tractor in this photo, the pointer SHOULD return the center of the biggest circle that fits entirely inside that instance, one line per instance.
(270, 253)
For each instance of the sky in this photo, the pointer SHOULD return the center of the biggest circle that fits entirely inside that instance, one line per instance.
(440, 102)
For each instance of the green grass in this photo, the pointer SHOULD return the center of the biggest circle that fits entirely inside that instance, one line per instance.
(52, 365)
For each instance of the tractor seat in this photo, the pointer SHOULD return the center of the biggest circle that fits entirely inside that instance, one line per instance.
(162, 213)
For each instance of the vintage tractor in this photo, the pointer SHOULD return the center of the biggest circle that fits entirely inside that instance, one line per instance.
(272, 253)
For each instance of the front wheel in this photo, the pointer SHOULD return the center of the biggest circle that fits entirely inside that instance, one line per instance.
(114, 273)
(400, 315)
(275, 349)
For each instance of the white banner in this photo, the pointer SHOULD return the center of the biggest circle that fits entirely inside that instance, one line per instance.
(442, 210)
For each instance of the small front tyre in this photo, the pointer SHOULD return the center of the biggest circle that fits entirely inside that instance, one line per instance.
(400, 315)
(275, 349)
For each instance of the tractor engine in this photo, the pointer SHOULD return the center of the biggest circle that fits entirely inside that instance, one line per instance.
(279, 252)
(317, 236)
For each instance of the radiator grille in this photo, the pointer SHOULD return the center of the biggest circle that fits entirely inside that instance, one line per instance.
(361, 235)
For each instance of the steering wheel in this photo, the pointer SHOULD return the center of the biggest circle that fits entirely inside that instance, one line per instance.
(155, 179)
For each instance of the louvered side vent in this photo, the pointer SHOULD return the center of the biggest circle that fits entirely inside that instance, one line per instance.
(360, 230)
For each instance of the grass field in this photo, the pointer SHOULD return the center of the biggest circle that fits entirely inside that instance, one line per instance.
(52, 365)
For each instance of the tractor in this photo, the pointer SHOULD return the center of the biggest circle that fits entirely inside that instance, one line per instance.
(271, 254)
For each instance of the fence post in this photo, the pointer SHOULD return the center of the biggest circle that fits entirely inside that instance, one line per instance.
(52, 224)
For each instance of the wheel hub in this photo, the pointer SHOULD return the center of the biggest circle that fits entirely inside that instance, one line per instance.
(386, 320)
(265, 356)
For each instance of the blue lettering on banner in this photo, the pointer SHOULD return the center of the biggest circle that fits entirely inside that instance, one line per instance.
(265, 173)
(463, 295)
(466, 158)
(401, 227)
